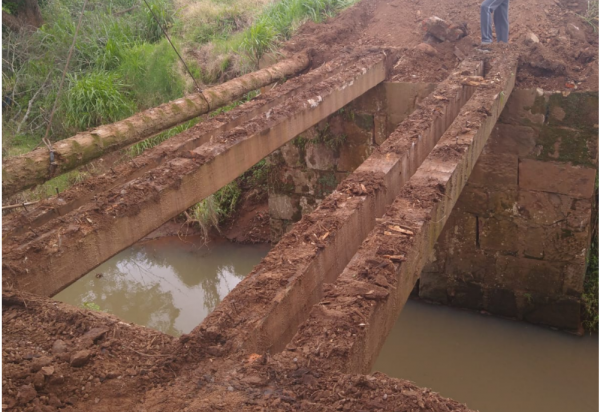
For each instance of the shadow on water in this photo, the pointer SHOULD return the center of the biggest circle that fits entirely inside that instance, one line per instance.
(168, 285)
(492, 364)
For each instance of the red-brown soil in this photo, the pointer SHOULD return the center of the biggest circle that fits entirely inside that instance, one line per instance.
(563, 56)
(126, 365)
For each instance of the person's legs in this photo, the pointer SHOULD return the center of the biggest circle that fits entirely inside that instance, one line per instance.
(487, 7)
(501, 21)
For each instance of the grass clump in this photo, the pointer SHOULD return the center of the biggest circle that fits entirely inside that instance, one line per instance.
(591, 15)
(96, 98)
(210, 212)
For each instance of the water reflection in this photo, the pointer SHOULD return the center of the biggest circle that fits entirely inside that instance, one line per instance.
(168, 285)
(492, 364)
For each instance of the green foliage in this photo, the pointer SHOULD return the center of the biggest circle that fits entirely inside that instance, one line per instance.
(139, 148)
(211, 211)
(257, 175)
(161, 10)
(591, 15)
(96, 98)
(279, 20)
(258, 39)
(227, 199)
(151, 72)
(91, 306)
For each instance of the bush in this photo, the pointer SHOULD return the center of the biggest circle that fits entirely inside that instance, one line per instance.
(96, 98)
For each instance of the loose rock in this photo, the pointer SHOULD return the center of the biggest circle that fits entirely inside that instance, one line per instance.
(59, 346)
(531, 39)
(80, 358)
(26, 394)
(427, 49)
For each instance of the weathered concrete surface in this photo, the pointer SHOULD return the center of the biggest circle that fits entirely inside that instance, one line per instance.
(81, 193)
(517, 240)
(346, 330)
(36, 167)
(59, 254)
(278, 294)
(306, 170)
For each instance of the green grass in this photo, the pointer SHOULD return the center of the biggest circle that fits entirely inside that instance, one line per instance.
(279, 21)
(210, 212)
(139, 148)
(96, 98)
(591, 15)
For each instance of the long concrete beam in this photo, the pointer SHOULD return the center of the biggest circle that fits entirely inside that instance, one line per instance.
(278, 294)
(348, 327)
(61, 251)
(36, 167)
(81, 193)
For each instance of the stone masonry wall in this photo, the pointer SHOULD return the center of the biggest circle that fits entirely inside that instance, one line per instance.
(306, 170)
(517, 240)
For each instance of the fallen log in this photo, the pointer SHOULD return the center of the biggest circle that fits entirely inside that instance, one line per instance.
(33, 168)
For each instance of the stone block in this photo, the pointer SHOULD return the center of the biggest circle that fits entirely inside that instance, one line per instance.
(459, 233)
(320, 157)
(474, 200)
(503, 203)
(577, 110)
(283, 206)
(556, 177)
(564, 313)
(532, 242)
(565, 245)
(501, 302)
(471, 265)
(302, 181)
(291, 154)
(356, 147)
(402, 99)
(308, 204)
(562, 144)
(326, 183)
(467, 295)
(573, 279)
(495, 170)
(579, 214)
(498, 235)
(541, 208)
(530, 275)
(370, 102)
(512, 139)
(433, 287)
(524, 107)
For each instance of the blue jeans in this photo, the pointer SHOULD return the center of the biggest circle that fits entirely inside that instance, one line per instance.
(500, 10)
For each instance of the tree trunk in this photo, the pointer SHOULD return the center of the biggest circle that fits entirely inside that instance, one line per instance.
(33, 168)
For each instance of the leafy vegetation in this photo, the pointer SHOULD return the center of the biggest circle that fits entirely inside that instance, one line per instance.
(210, 212)
(591, 15)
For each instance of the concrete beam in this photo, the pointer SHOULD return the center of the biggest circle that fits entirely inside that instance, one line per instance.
(347, 329)
(290, 279)
(81, 193)
(62, 251)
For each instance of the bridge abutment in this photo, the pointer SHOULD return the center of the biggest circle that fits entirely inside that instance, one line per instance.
(517, 241)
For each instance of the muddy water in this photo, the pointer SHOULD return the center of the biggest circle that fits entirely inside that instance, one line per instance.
(167, 284)
(491, 364)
